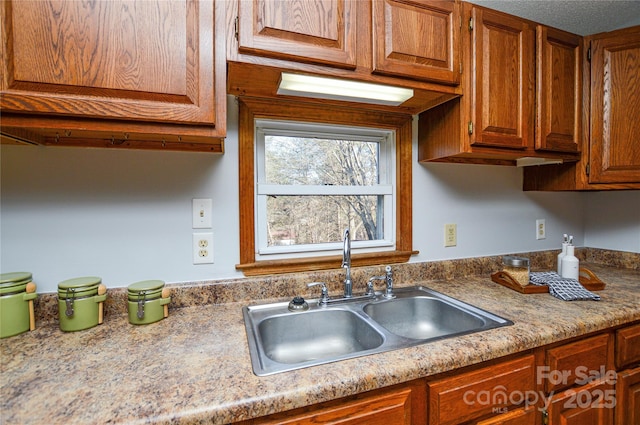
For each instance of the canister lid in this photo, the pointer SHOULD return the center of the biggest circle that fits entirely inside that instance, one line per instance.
(15, 277)
(80, 283)
(512, 260)
(146, 285)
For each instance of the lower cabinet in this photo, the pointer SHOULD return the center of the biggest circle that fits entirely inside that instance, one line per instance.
(590, 404)
(403, 404)
(573, 383)
(486, 392)
(628, 397)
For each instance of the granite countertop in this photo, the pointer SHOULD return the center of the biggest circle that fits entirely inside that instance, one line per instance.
(194, 366)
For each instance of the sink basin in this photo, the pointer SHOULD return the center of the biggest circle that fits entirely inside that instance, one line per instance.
(317, 335)
(422, 317)
(281, 340)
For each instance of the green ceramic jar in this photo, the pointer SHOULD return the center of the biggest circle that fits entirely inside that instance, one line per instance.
(146, 303)
(79, 303)
(15, 303)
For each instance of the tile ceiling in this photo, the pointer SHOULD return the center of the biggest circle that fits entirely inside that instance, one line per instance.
(583, 17)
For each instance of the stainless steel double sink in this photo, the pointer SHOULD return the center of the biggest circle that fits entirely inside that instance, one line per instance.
(281, 340)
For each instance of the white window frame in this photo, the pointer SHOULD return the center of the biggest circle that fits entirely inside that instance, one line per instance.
(386, 186)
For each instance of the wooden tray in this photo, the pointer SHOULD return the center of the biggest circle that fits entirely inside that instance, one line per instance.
(587, 278)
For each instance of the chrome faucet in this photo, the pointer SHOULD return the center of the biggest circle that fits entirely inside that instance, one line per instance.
(346, 263)
(387, 278)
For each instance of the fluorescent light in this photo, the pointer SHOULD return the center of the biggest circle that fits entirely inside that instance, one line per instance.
(527, 161)
(331, 88)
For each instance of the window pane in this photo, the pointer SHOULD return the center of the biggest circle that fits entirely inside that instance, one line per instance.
(297, 220)
(311, 161)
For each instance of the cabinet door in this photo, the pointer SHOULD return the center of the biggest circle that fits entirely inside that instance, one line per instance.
(502, 86)
(312, 31)
(472, 395)
(558, 90)
(615, 107)
(628, 397)
(417, 39)
(404, 404)
(150, 61)
(591, 404)
(627, 346)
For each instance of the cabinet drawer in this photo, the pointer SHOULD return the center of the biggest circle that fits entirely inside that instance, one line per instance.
(480, 392)
(576, 362)
(627, 346)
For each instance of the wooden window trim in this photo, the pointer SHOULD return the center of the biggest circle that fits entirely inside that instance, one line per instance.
(251, 109)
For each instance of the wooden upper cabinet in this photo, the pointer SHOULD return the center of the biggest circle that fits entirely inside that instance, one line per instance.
(558, 90)
(615, 107)
(313, 31)
(502, 84)
(144, 60)
(89, 69)
(417, 39)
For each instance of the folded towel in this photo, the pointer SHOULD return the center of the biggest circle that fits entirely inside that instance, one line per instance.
(561, 287)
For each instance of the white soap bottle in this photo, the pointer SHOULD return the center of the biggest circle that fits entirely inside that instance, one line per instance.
(565, 243)
(570, 264)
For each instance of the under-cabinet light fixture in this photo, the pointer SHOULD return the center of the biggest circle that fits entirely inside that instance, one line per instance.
(527, 161)
(335, 89)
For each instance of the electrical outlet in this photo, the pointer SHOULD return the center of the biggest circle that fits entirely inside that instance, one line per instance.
(203, 248)
(541, 231)
(450, 235)
(201, 210)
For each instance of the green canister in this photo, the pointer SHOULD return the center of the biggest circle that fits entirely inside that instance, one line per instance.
(80, 303)
(17, 292)
(148, 301)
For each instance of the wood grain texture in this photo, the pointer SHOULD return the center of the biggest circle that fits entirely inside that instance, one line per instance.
(578, 360)
(252, 108)
(558, 90)
(399, 405)
(312, 31)
(93, 69)
(627, 346)
(417, 39)
(628, 397)
(456, 399)
(615, 107)
(568, 407)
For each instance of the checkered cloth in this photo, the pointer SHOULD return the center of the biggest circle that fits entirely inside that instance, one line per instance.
(561, 287)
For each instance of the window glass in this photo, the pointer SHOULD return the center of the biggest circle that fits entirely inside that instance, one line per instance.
(314, 181)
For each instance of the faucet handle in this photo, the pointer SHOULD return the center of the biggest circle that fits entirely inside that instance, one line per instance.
(324, 297)
(389, 280)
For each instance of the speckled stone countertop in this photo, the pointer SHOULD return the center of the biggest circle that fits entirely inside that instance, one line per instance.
(194, 367)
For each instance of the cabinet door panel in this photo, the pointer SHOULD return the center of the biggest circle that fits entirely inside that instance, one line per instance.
(615, 108)
(559, 90)
(121, 59)
(628, 397)
(313, 31)
(503, 83)
(461, 398)
(591, 404)
(417, 39)
(627, 346)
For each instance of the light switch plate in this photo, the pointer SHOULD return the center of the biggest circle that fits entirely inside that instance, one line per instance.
(202, 213)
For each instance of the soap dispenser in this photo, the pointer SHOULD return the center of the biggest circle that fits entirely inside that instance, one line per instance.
(563, 253)
(570, 264)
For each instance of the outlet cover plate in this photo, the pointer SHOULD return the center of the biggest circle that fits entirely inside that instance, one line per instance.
(541, 229)
(450, 235)
(202, 247)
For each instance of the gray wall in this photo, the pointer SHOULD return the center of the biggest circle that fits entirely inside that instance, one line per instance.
(126, 215)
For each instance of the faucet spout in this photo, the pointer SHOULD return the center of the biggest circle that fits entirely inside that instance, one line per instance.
(346, 263)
